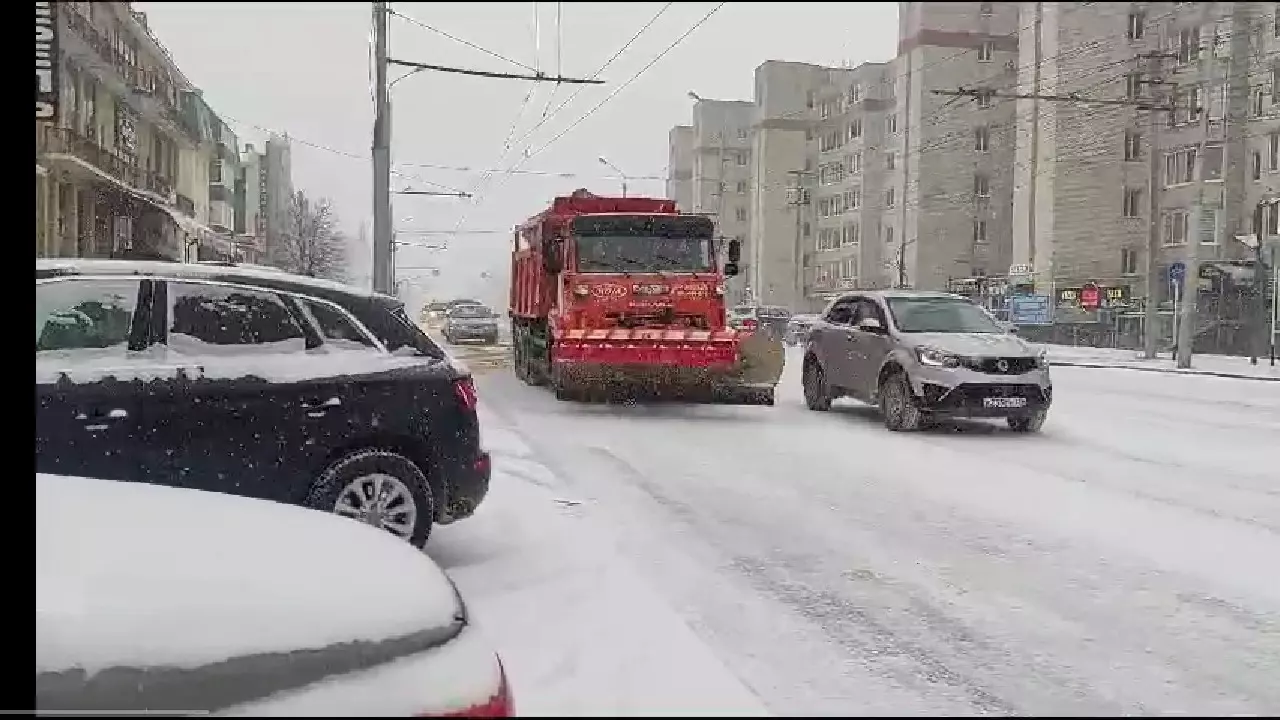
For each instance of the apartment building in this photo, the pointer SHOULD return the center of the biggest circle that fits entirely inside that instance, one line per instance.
(263, 187)
(783, 174)
(951, 158)
(720, 181)
(121, 156)
(679, 187)
(1083, 199)
(855, 122)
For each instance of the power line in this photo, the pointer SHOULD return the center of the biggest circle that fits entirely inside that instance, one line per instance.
(462, 41)
(537, 76)
(625, 84)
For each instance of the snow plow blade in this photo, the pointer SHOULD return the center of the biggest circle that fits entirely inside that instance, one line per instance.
(726, 366)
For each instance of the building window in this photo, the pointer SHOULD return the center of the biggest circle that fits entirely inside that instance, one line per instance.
(742, 133)
(1258, 102)
(982, 138)
(890, 160)
(741, 158)
(742, 186)
(1128, 261)
(1188, 45)
(888, 235)
(986, 51)
(1176, 227)
(891, 123)
(979, 232)
(855, 164)
(889, 198)
(740, 214)
(1132, 145)
(855, 129)
(1180, 167)
(1133, 85)
(981, 185)
(1212, 166)
(855, 93)
(852, 234)
(1272, 220)
(852, 198)
(1257, 165)
(1137, 25)
(985, 9)
(1132, 202)
(984, 98)
(1273, 151)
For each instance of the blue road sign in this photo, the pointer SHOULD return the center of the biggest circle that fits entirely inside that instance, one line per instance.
(1030, 310)
(1177, 271)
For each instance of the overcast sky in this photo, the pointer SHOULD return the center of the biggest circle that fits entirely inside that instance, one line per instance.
(304, 68)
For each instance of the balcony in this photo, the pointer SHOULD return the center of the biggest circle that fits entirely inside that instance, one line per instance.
(222, 216)
(66, 141)
(147, 92)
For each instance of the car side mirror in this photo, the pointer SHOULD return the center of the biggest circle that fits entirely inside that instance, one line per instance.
(730, 268)
(870, 325)
(734, 252)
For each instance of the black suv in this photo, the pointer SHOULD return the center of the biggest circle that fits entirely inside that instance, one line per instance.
(253, 382)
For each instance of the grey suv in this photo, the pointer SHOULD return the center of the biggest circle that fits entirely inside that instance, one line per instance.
(922, 355)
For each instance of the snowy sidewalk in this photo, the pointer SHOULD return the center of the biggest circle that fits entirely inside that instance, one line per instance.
(1214, 365)
(580, 633)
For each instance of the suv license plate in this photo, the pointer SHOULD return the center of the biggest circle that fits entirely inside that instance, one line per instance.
(1004, 402)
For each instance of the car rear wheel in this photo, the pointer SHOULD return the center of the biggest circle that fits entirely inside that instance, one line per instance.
(380, 488)
(1028, 423)
(898, 406)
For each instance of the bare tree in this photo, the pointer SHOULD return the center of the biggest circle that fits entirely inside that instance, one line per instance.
(312, 243)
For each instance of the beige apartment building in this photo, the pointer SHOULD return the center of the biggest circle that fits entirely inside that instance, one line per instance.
(1083, 187)
(125, 146)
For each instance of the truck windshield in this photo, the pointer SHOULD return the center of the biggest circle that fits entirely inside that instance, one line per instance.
(638, 253)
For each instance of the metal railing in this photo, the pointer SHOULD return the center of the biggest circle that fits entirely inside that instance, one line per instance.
(126, 170)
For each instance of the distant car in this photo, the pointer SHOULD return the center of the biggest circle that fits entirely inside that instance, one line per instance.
(798, 328)
(920, 356)
(254, 383)
(470, 323)
(152, 600)
(770, 319)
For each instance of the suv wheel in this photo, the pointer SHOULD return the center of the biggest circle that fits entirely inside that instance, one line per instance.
(898, 405)
(1028, 423)
(817, 396)
(380, 488)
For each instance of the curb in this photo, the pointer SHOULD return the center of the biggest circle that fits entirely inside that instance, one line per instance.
(1166, 371)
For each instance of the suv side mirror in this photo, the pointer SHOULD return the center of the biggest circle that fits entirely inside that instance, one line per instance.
(870, 325)
(734, 252)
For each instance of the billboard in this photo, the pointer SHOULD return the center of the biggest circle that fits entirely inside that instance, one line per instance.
(46, 61)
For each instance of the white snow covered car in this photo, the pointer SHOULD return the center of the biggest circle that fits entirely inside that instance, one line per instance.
(164, 600)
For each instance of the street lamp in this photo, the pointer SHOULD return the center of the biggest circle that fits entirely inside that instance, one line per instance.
(621, 175)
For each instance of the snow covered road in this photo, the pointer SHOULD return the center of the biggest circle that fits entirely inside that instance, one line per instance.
(1123, 562)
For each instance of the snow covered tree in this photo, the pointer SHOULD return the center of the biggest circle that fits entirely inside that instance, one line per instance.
(312, 243)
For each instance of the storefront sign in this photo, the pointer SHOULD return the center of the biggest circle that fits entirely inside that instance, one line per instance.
(46, 61)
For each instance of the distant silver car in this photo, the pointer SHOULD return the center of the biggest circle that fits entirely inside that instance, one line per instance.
(923, 355)
(470, 322)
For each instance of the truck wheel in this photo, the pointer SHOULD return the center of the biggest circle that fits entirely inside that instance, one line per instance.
(558, 385)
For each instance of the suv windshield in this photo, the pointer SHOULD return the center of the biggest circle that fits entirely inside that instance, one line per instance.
(940, 315)
(470, 311)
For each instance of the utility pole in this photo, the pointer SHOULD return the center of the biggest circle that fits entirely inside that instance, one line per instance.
(799, 201)
(1208, 64)
(383, 233)
(1151, 308)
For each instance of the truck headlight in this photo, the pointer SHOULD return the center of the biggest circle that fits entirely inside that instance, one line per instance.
(937, 358)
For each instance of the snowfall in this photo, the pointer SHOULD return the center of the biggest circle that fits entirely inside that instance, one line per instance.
(715, 560)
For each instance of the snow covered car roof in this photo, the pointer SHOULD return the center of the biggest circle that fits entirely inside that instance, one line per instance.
(147, 596)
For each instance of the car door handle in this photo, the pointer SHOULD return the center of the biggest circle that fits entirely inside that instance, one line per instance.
(95, 419)
(316, 408)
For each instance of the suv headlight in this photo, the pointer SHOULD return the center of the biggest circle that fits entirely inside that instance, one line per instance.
(937, 358)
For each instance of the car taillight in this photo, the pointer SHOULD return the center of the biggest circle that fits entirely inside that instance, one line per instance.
(500, 705)
(465, 389)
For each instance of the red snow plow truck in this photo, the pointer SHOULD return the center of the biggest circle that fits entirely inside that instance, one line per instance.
(615, 298)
